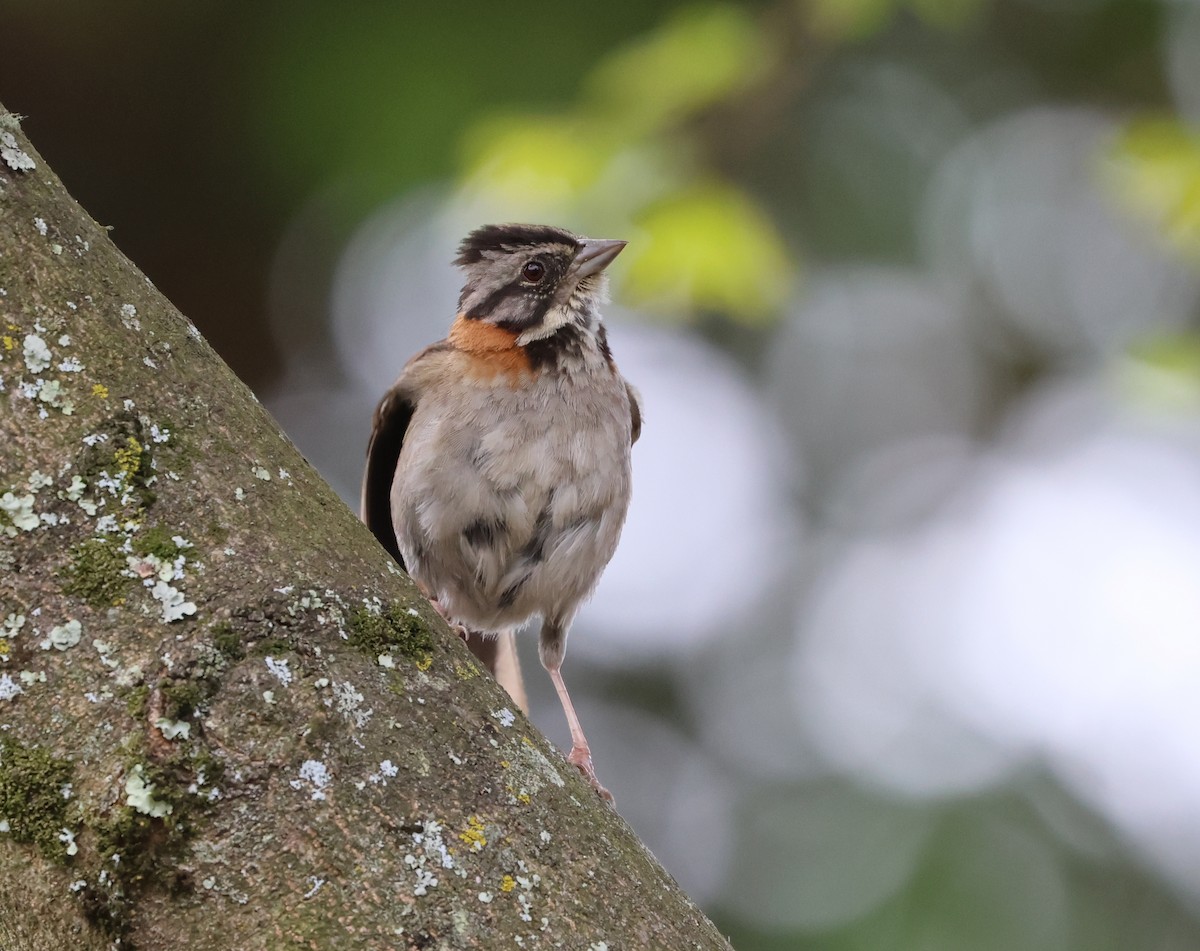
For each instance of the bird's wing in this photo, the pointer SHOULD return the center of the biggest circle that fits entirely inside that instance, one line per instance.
(392, 416)
(635, 412)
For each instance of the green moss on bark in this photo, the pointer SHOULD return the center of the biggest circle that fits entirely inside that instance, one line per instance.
(31, 797)
(391, 629)
(95, 573)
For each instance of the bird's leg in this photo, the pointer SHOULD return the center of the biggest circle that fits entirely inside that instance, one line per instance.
(581, 755)
(551, 649)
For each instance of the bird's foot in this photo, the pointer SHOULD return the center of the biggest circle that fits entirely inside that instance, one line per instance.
(581, 758)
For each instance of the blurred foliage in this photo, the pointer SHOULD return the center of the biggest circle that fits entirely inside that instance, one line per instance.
(625, 153)
(712, 249)
(1163, 373)
(374, 97)
(700, 56)
(845, 20)
(1154, 168)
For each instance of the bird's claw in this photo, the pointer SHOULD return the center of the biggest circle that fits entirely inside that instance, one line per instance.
(457, 628)
(581, 758)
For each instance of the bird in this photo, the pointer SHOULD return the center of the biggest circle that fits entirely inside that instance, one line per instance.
(499, 466)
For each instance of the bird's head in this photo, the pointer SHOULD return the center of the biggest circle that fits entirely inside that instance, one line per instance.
(533, 279)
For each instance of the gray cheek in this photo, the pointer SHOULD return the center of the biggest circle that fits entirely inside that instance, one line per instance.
(515, 311)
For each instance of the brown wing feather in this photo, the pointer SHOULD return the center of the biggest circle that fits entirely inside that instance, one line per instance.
(392, 417)
(635, 412)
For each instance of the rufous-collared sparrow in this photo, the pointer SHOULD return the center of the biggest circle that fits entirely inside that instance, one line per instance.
(498, 472)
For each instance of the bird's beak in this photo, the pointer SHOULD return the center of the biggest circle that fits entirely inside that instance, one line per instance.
(596, 255)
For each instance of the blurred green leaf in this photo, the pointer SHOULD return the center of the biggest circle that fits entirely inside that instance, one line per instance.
(842, 20)
(1163, 373)
(947, 14)
(696, 58)
(848, 19)
(1154, 169)
(709, 248)
(542, 161)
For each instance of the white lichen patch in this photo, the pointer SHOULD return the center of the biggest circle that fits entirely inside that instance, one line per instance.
(12, 624)
(19, 512)
(37, 354)
(40, 224)
(51, 393)
(150, 567)
(261, 473)
(431, 853)
(104, 650)
(175, 606)
(387, 770)
(173, 729)
(9, 688)
(139, 795)
(63, 636)
(280, 670)
(529, 769)
(67, 837)
(13, 155)
(313, 776)
(348, 702)
(129, 317)
(504, 716)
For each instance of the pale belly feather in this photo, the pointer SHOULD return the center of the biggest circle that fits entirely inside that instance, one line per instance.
(509, 503)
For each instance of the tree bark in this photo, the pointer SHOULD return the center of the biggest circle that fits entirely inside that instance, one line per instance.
(227, 720)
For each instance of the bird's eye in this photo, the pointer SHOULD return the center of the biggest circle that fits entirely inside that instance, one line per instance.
(533, 272)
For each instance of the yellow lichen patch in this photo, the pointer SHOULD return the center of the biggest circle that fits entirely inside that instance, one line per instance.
(524, 798)
(505, 764)
(8, 342)
(473, 834)
(466, 671)
(425, 662)
(100, 390)
(5, 647)
(129, 457)
(508, 883)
